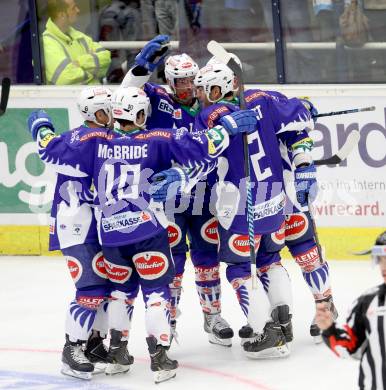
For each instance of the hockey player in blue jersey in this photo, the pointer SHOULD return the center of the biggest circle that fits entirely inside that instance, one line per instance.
(178, 109)
(73, 231)
(131, 228)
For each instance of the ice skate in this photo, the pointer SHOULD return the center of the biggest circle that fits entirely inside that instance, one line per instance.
(96, 353)
(285, 320)
(269, 345)
(163, 368)
(315, 332)
(118, 358)
(75, 363)
(219, 331)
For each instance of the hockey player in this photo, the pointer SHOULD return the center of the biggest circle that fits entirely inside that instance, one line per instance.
(178, 110)
(276, 116)
(365, 330)
(131, 229)
(73, 231)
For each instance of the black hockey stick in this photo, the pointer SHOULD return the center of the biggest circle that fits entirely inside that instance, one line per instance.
(341, 155)
(352, 111)
(5, 87)
(224, 57)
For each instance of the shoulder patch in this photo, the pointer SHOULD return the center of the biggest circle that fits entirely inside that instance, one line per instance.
(255, 95)
(216, 113)
(96, 134)
(152, 134)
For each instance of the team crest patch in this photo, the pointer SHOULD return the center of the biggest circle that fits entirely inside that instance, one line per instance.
(98, 265)
(174, 235)
(239, 244)
(75, 267)
(117, 273)
(296, 226)
(151, 265)
(209, 231)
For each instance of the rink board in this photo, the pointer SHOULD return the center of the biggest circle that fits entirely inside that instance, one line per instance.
(351, 204)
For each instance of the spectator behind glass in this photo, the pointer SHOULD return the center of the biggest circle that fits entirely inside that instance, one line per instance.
(120, 21)
(71, 57)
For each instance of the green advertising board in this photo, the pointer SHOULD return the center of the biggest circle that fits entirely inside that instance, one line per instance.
(21, 171)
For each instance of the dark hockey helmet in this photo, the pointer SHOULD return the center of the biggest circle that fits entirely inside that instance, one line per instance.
(379, 249)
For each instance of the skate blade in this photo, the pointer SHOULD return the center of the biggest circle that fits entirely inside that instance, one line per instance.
(162, 376)
(66, 370)
(223, 342)
(99, 368)
(269, 353)
(317, 339)
(113, 369)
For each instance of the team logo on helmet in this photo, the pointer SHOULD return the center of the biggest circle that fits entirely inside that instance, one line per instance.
(174, 235)
(151, 265)
(209, 231)
(239, 244)
(75, 267)
(98, 265)
(278, 237)
(296, 226)
(186, 65)
(117, 111)
(117, 273)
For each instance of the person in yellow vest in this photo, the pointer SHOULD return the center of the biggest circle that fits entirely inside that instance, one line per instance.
(71, 57)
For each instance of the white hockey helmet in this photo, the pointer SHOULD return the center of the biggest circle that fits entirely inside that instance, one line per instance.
(215, 74)
(128, 102)
(214, 60)
(179, 66)
(93, 99)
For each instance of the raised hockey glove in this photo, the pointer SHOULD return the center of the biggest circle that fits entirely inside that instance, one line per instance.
(243, 121)
(305, 184)
(37, 121)
(153, 53)
(167, 184)
(310, 107)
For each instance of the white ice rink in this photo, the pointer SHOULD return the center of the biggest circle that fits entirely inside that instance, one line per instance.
(36, 290)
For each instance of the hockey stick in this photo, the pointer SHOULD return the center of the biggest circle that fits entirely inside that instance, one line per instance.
(341, 155)
(372, 108)
(223, 56)
(5, 87)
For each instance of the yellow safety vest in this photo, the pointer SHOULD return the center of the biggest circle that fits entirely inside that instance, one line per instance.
(74, 58)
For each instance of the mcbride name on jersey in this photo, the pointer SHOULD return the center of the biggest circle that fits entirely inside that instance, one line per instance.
(120, 166)
(278, 117)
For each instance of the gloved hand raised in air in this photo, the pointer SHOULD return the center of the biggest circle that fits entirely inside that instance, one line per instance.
(153, 53)
(306, 185)
(167, 184)
(243, 121)
(38, 120)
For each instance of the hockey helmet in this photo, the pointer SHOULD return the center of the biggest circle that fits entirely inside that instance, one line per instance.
(128, 102)
(93, 99)
(179, 66)
(215, 74)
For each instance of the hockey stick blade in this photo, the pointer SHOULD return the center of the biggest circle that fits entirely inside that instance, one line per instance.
(341, 155)
(5, 88)
(361, 253)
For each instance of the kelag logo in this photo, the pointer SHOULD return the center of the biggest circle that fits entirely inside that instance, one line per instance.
(372, 151)
(24, 380)
(25, 184)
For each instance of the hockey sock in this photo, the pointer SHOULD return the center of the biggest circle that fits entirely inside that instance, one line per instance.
(315, 273)
(209, 288)
(276, 283)
(120, 311)
(101, 319)
(157, 316)
(175, 286)
(81, 314)
(254, 303)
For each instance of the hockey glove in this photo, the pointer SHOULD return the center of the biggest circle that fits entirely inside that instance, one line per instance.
(310, 107)
(167, 184)
(305, 184)
(243, 121)
(153, 53)
(38, 120)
